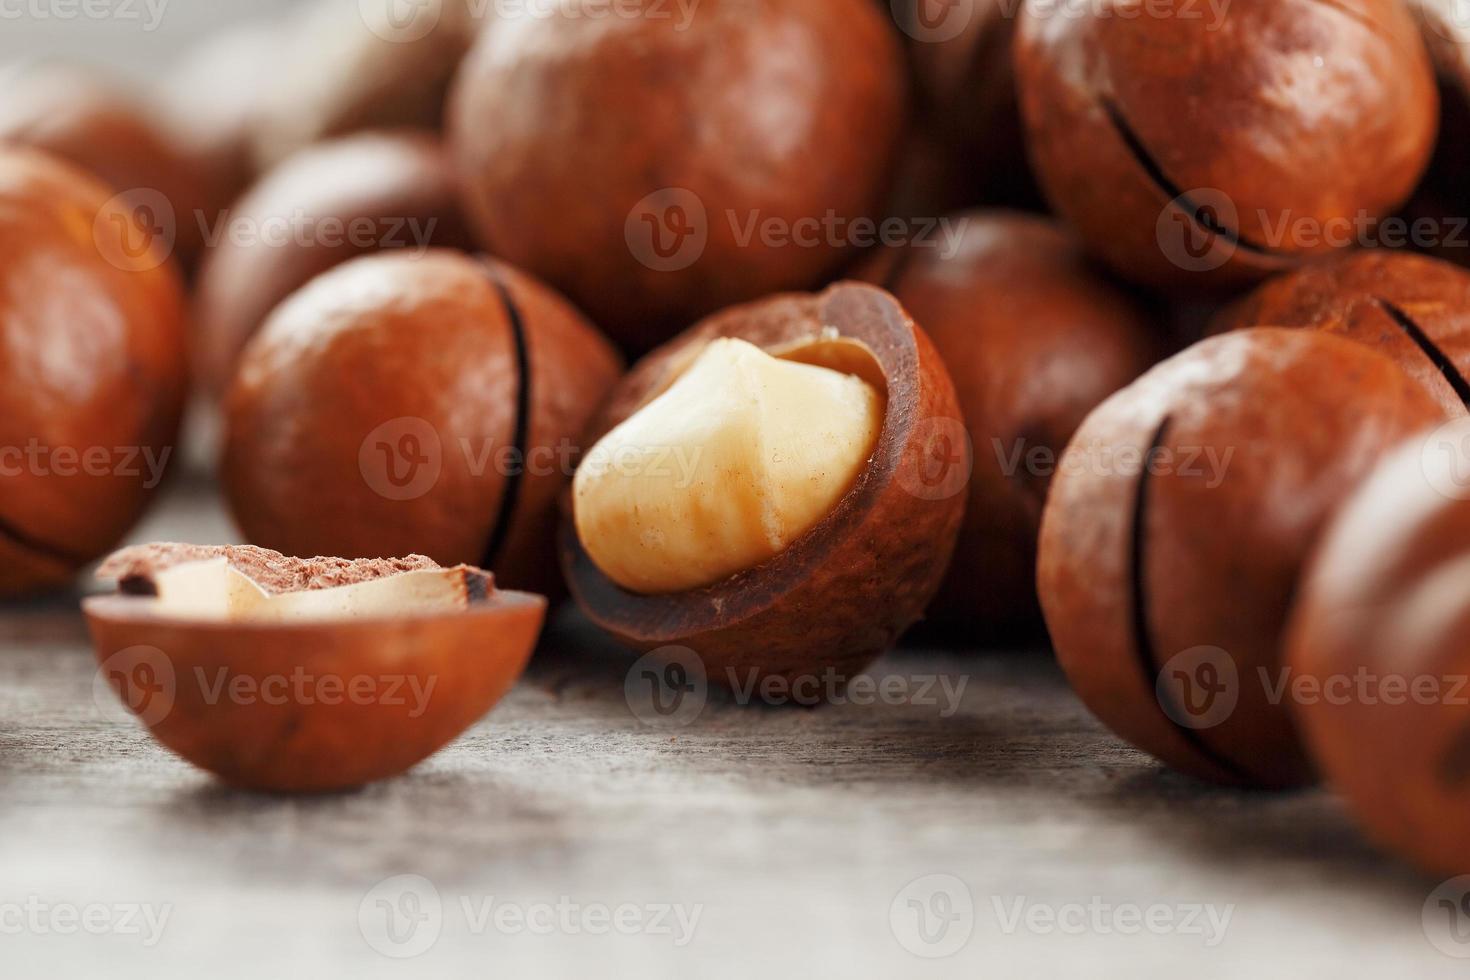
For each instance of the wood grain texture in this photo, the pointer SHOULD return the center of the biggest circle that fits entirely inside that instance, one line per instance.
(794, 829)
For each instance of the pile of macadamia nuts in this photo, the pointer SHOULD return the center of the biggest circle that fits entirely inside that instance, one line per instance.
(763, 330)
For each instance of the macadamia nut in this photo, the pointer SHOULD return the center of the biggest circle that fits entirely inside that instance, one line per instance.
(743, 454)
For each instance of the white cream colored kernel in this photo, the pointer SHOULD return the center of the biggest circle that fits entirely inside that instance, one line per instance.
(742, 455)
(212, 590)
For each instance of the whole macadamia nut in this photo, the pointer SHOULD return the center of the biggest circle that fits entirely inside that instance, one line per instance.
(333, 202)
(1413, 308)
(1034, 338)
(1177, 527)
(1214, 149)
(414, 403)
(92, 378)
(127, 142)
(1377, 647)
(656, 165)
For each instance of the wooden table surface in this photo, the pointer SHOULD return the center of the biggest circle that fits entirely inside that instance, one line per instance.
(565, 836)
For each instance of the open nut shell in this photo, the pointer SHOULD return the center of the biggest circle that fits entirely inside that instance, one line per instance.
(842, 593)
(381, 693)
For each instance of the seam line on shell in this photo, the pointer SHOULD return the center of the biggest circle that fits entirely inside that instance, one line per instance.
(1143, 645)
(1154, 171)
(1437, 357)
(41, 549)
(501, 529)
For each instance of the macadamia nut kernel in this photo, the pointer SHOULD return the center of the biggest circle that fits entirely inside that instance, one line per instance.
(740, 456)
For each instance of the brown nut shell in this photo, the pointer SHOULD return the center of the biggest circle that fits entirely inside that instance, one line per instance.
(1176, 531)
(1377, 644)
(373, 414)
(424, 679)
(367, 193)
(961, 53)
(1187, 151)
(1034, 338)
(1412, 308)
(213, 99)
(753, 113)
(95, 123)
(1434, 221)
(841, 594)
(92, 381)
(343, 68)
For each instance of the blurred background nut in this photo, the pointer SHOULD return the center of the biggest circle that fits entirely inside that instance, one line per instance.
(428, 404)
(1180, 519)
(118, 135)
(1034, 337)
(1127, 111)
(1443, 199)
(350, 66)
(961, 55)
(1378, 642)
(751, 115)
(330, 203)
(92, 380)
(213, 101)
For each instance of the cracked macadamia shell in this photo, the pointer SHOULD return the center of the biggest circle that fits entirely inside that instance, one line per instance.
(839, 595)
(92, 378)
(308, 702)
(1034, 338)
(1377, 642)
(734, 115)
(404, 403)
(365, 193)
(1177, 527)
(1412, 308)
(1279, 122)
